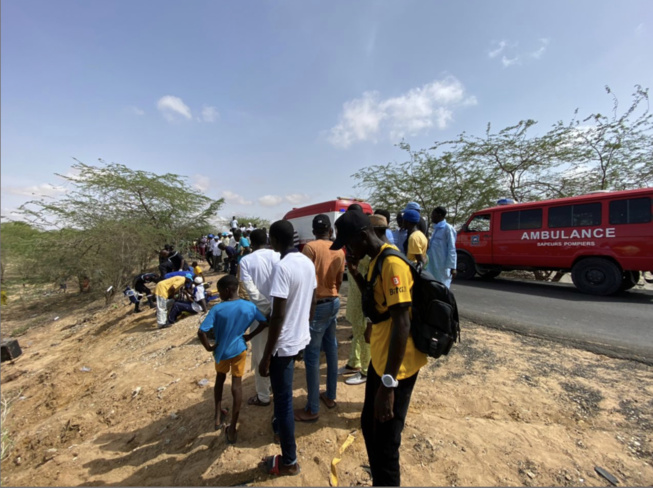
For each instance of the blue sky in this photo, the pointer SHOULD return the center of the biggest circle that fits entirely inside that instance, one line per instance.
(272, 105)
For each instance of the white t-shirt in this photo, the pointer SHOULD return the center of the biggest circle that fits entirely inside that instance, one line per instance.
(257, 267)
(234, 224)
(214, 247)
(293, 278)
(199, 293)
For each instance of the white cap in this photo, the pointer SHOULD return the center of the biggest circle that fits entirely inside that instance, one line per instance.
(199, 280)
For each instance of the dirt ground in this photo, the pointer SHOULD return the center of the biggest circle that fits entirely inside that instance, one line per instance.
(101, 397)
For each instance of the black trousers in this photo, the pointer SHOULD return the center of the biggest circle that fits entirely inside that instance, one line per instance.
(382, 439)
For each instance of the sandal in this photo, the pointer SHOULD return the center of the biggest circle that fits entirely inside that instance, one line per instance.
(223, 415)
(272, 466)
(326, 401)
(230, 439)
(255, 400)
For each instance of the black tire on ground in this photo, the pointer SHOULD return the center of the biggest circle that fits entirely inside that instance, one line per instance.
(597, 276)
(466, 267)
(488, 273)
(630, 279)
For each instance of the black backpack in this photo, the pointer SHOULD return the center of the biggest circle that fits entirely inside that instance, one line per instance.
(434, 326)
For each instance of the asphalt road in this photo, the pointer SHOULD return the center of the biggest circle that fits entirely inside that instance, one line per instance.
(619, 326)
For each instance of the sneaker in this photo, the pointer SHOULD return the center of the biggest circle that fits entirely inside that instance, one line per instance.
(345, 370)
(358, 379)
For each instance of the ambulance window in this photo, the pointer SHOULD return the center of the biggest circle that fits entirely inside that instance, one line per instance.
(632, 211)
(510, 221)
(521, 219)
(530, 219)
(480, 223)
(583, 215)
(586, 214)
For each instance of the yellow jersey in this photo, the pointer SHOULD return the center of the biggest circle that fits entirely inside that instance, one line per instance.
(392, 287)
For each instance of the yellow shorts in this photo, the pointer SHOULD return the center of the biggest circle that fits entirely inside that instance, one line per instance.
(236, 364)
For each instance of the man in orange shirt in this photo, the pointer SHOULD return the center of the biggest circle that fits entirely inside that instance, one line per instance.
(329, 269)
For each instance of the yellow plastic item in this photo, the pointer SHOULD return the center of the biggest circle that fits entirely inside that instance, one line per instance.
(3, 299)
(334, 472)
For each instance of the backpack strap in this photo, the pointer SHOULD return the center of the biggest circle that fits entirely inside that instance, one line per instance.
(388, 251)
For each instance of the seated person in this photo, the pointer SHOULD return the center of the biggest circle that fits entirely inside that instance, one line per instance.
(193, 301)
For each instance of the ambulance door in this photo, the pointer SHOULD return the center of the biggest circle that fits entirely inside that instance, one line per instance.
(477, 238)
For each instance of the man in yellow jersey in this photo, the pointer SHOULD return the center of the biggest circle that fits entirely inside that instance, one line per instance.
(395, 360)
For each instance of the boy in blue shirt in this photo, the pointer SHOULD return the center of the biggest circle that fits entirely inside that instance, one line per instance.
(229, 320)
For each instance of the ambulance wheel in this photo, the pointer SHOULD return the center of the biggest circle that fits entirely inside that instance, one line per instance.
(597, 276)
(466, 267)
(488, 273)
(630, 279)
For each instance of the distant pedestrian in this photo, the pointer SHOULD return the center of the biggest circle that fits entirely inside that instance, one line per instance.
(442, 248)
(231, 258)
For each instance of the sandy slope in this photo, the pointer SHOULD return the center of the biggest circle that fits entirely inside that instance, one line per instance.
(500, 410)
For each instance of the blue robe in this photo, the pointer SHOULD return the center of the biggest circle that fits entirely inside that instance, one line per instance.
(442, 252)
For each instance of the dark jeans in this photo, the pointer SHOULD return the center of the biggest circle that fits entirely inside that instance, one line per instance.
(382, 439)
(281, 376)
(177, 308)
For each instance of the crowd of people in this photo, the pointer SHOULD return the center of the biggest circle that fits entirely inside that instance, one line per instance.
(289, 301)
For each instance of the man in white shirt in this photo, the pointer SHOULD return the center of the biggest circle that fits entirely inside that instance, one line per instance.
(256, 278)
(217, 253)
(293, 304)
(234, 223)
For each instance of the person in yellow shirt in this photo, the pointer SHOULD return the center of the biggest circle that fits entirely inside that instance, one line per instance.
(395, 360)
(417, 241)
(165, 292)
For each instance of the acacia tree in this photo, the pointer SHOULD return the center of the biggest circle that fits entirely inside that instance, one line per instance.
(612, 152)
(526, 166)
(114, 219)
(431, 180)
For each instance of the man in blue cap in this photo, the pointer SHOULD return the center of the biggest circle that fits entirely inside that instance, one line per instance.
(422, 225)
(416, 243)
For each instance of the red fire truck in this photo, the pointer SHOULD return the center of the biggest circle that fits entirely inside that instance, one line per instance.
(302, 217)
(604, 238)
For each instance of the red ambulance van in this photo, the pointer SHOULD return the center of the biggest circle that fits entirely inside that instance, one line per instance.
(302, 217)
(604, 238)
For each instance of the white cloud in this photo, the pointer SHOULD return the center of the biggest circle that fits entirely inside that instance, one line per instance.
(232, 197)
(43, 190)
(362, 119)
(543, 44)
(509, 61)
(359, 121)
(510, 53)
(201, 182)
(297, 198)
(270, 200)
(501, 45)
(172, 107)
(210, 114)
(136, 111)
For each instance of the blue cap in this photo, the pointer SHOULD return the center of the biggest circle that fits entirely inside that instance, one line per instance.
(411, 216)
(413, 206)
(189, 276)
(210, 235)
